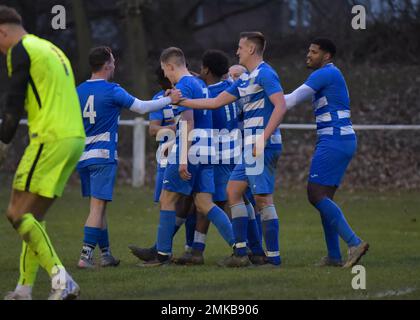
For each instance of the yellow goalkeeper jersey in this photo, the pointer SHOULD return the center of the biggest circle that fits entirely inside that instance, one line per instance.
(51, 102)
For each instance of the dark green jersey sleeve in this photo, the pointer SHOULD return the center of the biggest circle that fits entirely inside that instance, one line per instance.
(14, 104)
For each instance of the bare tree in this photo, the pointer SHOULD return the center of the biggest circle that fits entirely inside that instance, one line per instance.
(84, 38)
(137, 49)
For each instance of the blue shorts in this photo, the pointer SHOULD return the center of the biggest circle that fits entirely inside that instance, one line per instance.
(262, 183)
(160, 172)
(202, 180)
(222, 174)
(331, 160)
(98, 181)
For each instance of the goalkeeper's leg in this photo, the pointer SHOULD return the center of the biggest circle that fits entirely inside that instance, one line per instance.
(21, 213)
(28, 270)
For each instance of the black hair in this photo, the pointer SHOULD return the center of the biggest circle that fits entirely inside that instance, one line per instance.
(98, 57)
(326, 45)
(216, 61)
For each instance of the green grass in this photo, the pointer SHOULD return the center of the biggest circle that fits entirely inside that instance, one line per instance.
(390, 222)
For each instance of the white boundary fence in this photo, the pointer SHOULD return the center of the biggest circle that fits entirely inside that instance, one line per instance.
(139, 141)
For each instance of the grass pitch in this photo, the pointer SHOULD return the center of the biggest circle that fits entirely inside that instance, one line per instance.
(388, 221)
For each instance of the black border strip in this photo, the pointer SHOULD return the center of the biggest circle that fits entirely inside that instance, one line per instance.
(31, 172)
(38, 99)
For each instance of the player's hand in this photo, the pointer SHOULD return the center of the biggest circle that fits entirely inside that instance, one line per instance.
(172, 127)
(175, 95)
(258, 147)
(183, 172)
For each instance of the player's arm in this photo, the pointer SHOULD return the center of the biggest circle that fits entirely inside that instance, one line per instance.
(222, 99)
(277, 116)
(187, 118)
(143, 107)
(160, 132)
(156, 125)
(279, 111)
(300, 95)
(270, 82)
(15, 99)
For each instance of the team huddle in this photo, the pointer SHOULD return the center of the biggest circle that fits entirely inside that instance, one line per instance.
(219, 148)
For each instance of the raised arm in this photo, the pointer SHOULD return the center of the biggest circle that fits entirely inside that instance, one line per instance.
(212, 103)
(301, 94)
(143, 107)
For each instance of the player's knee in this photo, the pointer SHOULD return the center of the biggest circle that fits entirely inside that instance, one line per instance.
(314, 197)
(203, 205)
(234, 195)
(13, 217)
(263, 201)
(311, 198)
(165, 199)
(201, 208)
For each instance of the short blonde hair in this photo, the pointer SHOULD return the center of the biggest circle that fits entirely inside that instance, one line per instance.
(175, 54)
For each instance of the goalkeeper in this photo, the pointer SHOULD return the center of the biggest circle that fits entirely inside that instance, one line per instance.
(42, 83)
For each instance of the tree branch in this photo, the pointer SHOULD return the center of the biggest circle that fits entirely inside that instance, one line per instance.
(191, 11)
(231, 14)
(320, 11)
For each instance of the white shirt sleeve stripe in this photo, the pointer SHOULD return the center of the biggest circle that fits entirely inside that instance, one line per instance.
(254, 122)
(103, 137)
(95, 153)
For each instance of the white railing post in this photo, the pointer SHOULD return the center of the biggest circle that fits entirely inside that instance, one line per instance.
(139, 153)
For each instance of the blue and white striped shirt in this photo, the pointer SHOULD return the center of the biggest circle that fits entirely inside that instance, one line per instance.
(254, 89)
(225, 124)
(101, 102)
(331, 103)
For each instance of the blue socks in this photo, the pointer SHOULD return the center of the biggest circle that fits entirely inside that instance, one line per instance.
(199, 241)
(190, 229)
(332, 240)
(220, 219)
(271, 227)
(91, 238)
(239, 214)
(178, 224)
(254, 236)
(259, 225)
(103, 242)
(333, 216)
(166, 230)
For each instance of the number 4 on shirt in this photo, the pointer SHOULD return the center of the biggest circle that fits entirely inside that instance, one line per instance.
(89, 110)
